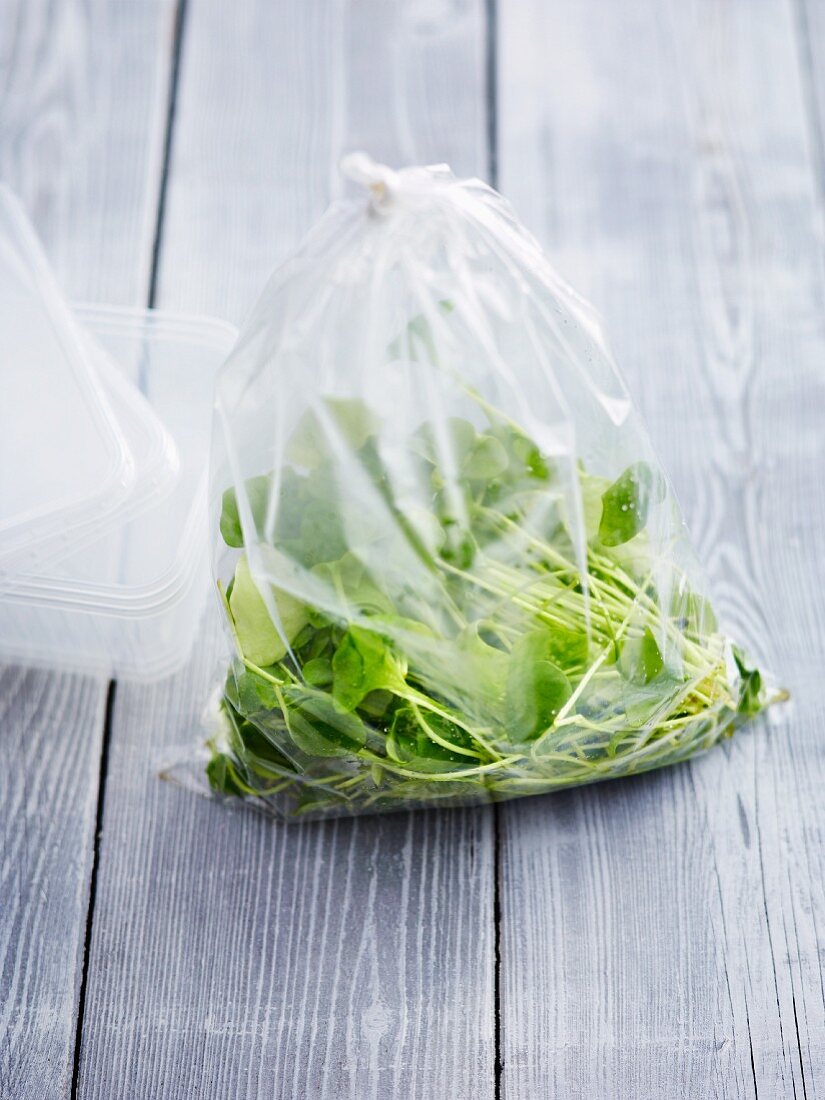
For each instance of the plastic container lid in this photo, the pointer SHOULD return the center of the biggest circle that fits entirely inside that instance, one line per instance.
(155, 456)
(129, 602)
(65, 460)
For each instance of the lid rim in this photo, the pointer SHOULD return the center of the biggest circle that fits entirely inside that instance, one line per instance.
(49, 518)
(173, 583)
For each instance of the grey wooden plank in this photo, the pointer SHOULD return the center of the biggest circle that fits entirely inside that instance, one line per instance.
(79, 140)
(663, 936)
(809, 19)
(232, 956)
(259, 165)
(83, 102)
(411, 82)
(50, 738)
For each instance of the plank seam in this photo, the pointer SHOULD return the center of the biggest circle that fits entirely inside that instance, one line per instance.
(814, 129)
(815, 132)
(174, 76)
(763, 879)
(750, 1046)
(171, 108)
(813, 118)
(491, 89)
(491, 108)
(87, 940)
(497, 922)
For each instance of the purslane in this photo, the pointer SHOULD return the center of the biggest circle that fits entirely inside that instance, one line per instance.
(452, 569)
(533, 671)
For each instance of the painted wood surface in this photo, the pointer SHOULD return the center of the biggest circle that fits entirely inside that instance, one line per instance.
(663, 937)
(48, 799)
(232, 956)
(81, 120)
(656, 937)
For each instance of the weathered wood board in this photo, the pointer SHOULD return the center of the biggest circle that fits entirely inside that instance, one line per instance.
(662, 937)
(650, 938)
(81, 127)
(232, 956)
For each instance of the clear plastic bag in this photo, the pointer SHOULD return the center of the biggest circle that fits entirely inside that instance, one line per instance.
(450, 565)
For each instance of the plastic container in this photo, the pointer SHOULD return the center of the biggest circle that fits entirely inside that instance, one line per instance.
(64, 458)
(128, 603)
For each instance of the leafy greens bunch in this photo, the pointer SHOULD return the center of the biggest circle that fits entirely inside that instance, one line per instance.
(489, 637)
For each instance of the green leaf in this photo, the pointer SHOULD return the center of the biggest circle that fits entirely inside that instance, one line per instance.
(309, 445)
(456, 434)
(416, 341)
(318, 671)
(319, 729)
(480, 660)
(220, 775)
(458, 547)
(410, 744)
(259, 639)
(643, 704)
(528, 458)
(377, 703)
(473, 457)
(423, 530)
(293, 496)
(256, 748)
(363, 663)
(694, 613)
(322, 537)
(486, 459)
(526, 465)
(640, 659)
(592, 501)
(257, 491)
(306, 635)
(353, 418)
(351, 583)
(626, 503)
(751, 700)
(569, 649)
(250, 693)
(492, 530)
(537, 688)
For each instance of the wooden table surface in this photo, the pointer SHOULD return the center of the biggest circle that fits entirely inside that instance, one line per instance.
(656, 937)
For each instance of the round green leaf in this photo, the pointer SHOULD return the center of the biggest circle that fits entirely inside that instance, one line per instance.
(537, 688)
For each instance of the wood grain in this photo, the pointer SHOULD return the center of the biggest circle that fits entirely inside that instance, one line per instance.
(232, 956)
(663, 936)
(411, 82)
(79, 141)
(660, 936)
(50, 737)
(83, 111)
(809, 19)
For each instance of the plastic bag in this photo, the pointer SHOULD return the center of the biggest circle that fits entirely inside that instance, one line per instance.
(450, 565)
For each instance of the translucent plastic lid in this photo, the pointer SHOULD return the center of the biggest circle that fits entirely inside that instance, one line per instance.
(64, 459)
(128, 603)
(143, 562)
